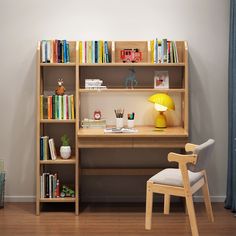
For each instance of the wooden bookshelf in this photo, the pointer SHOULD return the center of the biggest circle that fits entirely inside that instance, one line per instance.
(111, 73)
(47, 76)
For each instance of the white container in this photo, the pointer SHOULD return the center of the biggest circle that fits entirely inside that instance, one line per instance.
(65, 152)
(130, 124)
(119, 123)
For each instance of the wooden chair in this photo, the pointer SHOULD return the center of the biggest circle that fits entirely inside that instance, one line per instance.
(184, 182)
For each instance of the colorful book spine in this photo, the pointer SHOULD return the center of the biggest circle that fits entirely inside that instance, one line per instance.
(72, 107)
(152, 51)
(80, 52)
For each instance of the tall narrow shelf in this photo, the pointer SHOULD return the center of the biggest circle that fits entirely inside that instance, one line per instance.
(47, 76)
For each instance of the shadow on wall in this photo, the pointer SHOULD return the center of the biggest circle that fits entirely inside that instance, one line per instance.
(22, 164)
(200, 115)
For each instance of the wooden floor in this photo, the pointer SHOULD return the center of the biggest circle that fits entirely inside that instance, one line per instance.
(111, 219)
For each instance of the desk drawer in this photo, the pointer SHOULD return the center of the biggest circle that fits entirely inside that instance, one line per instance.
(160, 142)
(105, 142)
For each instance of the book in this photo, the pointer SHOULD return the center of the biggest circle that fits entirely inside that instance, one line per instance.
(122, 130)
(52, 149)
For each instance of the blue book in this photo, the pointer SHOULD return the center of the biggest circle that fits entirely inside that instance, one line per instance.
(41, 148)
(64, 50)
(67, 52)
(96, 51)
(156, 49)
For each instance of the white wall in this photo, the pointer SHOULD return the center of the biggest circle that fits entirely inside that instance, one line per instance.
(203, 23)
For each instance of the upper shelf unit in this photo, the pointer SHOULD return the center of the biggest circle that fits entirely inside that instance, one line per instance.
(115, 50)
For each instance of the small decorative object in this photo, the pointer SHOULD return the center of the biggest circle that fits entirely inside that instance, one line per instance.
(97, 115)
(60, 90)
(131, 55)
(119, 118)
(130, 122)
(94, 84)
(130, 80)
(65, 149)
(161, 80)
(162, 102)
(67, 192)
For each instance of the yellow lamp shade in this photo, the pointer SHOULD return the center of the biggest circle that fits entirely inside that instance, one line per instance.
(162, 102)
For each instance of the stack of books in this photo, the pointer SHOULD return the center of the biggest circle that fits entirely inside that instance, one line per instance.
(163, 51)
(47, 149)
(91, 123)
(94, 52)
(55, 51)
(57, 107)
(49, 186)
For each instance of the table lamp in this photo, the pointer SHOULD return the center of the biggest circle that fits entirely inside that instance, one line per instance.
(162, 102)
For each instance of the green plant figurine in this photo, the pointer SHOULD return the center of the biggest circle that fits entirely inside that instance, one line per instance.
(65, 140)
(67, 192)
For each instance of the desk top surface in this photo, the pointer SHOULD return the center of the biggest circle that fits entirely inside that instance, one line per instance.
(143, 131)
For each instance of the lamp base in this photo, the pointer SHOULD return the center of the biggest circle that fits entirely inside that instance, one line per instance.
(161, 120)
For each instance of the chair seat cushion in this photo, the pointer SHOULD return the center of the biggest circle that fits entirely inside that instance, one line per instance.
(171, 176)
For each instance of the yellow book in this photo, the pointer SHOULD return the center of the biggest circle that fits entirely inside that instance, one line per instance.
(41, 107)
(152, 50)
(80, 51)
(72, 107)
(100, 57)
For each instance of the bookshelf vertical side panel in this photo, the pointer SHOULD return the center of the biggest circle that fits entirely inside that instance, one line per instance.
(186, 84)
(38, 82)
(76, 131)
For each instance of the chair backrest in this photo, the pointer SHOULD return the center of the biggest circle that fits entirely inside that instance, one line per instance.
(203, 152)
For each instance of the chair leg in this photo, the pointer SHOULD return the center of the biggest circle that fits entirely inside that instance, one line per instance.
(167, 204)
(192, 216)
(207, 201)
(149, 204)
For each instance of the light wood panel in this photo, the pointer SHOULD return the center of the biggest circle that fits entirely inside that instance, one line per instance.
(120, 171)
(120, 90)
(59, 160)
(119, 64)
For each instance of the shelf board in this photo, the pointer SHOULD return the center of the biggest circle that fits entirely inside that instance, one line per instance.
(58, 64)
(134, 64)
(66, 199)
(57, 121)
(132, 90)
(143, 132)
(59, 160)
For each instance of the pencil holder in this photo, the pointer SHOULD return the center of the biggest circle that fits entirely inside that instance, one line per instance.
(130, 124)
(119, 123)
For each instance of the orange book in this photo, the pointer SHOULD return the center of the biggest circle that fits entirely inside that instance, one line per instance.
(49, 107)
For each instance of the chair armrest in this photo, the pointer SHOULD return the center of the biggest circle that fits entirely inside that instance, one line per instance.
(189, 147)
(182, 159)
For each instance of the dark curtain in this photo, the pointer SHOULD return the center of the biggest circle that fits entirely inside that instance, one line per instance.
(230, 201)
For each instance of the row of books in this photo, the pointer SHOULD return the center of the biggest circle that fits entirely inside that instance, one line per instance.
(55, 51)
(47, 148)
(49, 186)
(163, 51)
(94, 52)
(60, 107)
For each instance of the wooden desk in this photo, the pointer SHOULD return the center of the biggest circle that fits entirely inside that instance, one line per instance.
(146, 137)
